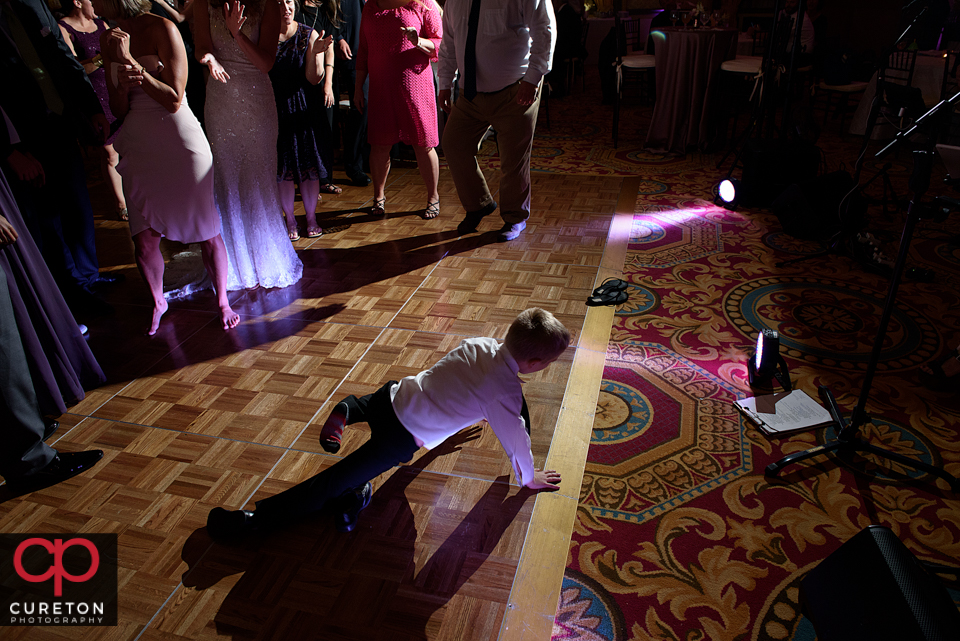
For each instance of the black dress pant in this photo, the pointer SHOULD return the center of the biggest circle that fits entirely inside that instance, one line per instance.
(356, 151)
(390, 444)
(59, 213)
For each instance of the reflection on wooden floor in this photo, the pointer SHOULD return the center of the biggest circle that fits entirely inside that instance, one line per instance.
(196, 417)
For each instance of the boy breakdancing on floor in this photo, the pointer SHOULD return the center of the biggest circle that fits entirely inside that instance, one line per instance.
(476, 381)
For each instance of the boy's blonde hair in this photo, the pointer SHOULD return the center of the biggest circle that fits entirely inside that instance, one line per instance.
(536, 334)
(124, 9)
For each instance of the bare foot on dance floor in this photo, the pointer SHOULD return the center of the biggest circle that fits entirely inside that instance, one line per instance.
(158, 313)
(229, 318)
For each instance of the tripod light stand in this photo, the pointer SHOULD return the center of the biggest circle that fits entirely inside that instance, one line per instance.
(847, 440)
(852, 207)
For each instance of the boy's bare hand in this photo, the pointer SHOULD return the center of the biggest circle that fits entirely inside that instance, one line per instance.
(548, 480)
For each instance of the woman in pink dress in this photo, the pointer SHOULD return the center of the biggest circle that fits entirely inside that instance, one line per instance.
(398, 40)
(165, 159)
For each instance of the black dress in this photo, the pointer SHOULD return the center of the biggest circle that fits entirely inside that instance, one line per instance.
(317, 17)
(302, 151)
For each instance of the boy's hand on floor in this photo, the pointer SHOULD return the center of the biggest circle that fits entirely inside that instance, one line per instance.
(548, 480)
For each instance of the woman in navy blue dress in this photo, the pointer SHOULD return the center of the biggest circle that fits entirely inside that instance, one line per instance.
(303, 157)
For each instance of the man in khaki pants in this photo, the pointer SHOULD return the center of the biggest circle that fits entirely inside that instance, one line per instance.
(503, 49)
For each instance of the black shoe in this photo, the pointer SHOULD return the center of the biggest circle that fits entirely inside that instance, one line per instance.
(352, 503)
(64, 465)
(226, 525)
(106, 278)
(359, 179)
(469, 223)
(49, 428)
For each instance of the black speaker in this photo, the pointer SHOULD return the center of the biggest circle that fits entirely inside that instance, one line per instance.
(770, 166)
(874, 588)
(811, 210)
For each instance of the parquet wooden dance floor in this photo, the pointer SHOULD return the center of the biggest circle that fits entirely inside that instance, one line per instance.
(195, 417)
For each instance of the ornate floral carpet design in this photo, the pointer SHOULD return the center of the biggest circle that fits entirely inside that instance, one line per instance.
(679, 535)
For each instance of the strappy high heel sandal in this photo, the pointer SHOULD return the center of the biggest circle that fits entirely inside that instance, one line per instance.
(293, 233)
(379, 207)
(432, 210)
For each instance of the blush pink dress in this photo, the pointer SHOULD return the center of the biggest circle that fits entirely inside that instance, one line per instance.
(166, 166)
(402, 106)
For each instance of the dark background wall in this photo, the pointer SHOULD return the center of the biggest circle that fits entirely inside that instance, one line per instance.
(861, 25)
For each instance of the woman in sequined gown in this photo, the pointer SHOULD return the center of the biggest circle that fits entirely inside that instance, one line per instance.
(303, 154)
(238, 44)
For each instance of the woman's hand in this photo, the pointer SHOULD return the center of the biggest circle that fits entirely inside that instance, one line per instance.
(129, 76)
(411, 34)
(321, 44)
(233, 15)
(328, 99)
(8, 235)
(216, 69)
(117, 46)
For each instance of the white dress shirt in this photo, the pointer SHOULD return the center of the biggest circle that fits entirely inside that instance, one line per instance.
(515, 39)
(476, 381)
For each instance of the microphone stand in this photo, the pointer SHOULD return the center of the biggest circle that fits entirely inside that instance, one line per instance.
(874, 113)
(847, 440)
(836, 243)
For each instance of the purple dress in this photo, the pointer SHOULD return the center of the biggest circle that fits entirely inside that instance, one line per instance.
(87, 45)
(61, 364)
(300, 154)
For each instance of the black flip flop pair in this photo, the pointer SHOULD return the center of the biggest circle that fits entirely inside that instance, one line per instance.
(612, 291)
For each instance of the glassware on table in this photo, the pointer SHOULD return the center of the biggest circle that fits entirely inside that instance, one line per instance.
(715, 20)
(674, 16)
(686, 17)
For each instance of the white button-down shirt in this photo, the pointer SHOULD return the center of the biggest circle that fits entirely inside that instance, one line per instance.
(515, 39)
(476, 381)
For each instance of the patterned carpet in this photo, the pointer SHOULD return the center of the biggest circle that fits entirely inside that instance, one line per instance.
(679, 535)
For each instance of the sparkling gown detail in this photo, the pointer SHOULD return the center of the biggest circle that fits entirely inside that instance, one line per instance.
(241, 121)
(167, 168)
(403, 100)
(301, 152)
